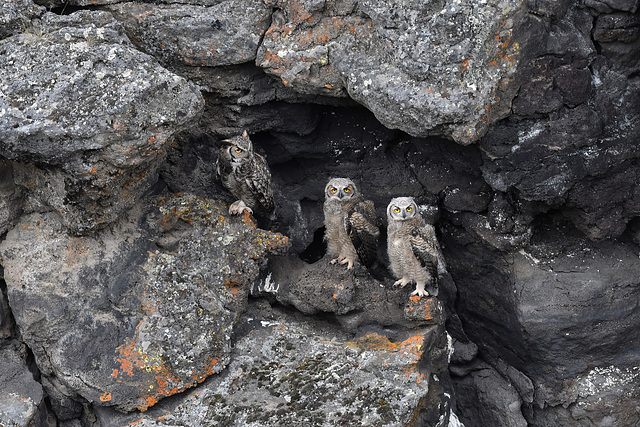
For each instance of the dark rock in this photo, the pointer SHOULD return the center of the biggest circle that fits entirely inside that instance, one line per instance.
(138, 312)
(626, 5)
(401, 60)
(21, 397)
(354, 296)
(484, 398)
(552, 310)
(6, 319)
(18, 16)
(463, 352)
(86, 156)
(207, 34)
(11, 197)
(288, 370)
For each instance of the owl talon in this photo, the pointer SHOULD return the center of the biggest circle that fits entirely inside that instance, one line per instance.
(339, 259)
(347, 261)
(238, 207)
(420, 291)
(402, 282)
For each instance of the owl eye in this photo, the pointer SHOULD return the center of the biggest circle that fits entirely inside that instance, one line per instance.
(409, 209)
(346, 190)
(334, 190)
(397, 210)
(238, 150)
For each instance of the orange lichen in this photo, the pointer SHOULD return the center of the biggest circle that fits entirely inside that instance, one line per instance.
(424, 305)
(411, 347)
(465, 64)
(377, 342)
(105, 397)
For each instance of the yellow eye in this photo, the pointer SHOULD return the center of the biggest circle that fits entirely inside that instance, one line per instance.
(409, 209)
(238, 150)
(346, 190)
(397, 210)
(334, 190)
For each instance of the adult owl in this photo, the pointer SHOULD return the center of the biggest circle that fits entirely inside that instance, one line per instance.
(246, 175)
(413, 249)
(351, 227)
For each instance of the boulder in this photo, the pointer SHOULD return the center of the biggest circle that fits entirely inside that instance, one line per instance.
(137, 312)
(206, 34)
(553, 310)
(21, 396)
(90, 129)
(16, 16)
(485, 398)
(288, 369)
(430, 68)
(354, 296)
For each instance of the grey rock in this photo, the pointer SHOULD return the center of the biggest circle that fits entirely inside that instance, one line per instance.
(11, 197)
(354, 296)
(555, 308)
(95, 120)
(485, 398)
(207, 34)
(432, 68)
(138, 312)
(18, 16)
(21, 397)
(293, 370)
(6, 319)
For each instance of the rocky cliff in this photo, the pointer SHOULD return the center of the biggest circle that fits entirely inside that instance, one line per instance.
(129, 296)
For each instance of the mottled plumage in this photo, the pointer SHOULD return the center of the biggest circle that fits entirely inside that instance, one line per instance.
(414, 252)
(352, 229)
(246, 175)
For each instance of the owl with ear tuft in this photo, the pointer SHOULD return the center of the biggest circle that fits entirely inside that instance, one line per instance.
(351, 226)
(413, 249)
(246, 175)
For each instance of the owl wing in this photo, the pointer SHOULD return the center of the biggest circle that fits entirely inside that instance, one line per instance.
(363, 229)
(259, 183)
(425, 247)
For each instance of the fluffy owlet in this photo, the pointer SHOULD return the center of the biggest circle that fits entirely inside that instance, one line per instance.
(414, 252)
(350, 222)
(246, 175)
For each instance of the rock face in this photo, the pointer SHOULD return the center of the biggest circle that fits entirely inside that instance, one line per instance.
(435, 67)
(136, 313)
(514, 124)
(95, 120)
(286, 371)
(21, 397)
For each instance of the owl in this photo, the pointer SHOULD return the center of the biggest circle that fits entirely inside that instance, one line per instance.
(351, 227)
(246, 175)
(414, 252)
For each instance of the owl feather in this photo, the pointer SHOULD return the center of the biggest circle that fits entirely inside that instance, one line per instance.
(363, 230)
(246, 175)
(351, 227)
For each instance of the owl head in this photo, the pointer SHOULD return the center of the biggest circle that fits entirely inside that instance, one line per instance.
(239, 148)
(340, 189)
(402, 208)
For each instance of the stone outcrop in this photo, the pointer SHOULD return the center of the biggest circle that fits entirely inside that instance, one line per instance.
(21, 397)
(138, 312)
(287, 371)
(514, 124)
(90, 128)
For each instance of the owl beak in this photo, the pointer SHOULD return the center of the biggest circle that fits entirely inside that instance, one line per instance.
(404, 214)
(340, 195)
